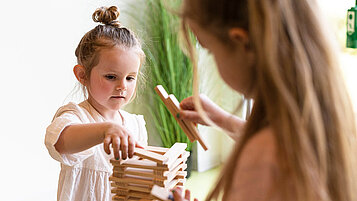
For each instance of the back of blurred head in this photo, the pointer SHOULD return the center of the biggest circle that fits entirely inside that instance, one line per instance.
(297, 89)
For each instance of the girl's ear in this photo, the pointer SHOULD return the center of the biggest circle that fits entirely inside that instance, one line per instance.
(239, 36)
(80, 74)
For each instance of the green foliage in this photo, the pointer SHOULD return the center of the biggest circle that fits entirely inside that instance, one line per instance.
(166, 65)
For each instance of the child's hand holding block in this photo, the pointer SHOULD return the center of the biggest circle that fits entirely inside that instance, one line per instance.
(173, 105)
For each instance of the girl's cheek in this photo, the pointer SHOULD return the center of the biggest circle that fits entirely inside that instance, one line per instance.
(133, 86)
(107, 86)
(102, 86)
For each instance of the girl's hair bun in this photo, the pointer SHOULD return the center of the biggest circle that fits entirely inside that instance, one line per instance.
(107, 16)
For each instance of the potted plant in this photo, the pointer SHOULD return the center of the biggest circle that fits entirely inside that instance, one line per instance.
(166, 65)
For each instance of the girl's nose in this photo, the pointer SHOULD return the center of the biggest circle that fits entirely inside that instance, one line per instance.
(121, 85)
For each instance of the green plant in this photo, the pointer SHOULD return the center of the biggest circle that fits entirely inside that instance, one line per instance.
(166, 65)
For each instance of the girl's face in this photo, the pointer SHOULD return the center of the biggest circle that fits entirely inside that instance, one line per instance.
(234, 63)
(112, 81)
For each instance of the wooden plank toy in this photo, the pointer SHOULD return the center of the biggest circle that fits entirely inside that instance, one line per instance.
(161, 193)
(134, 178)
(173, 105)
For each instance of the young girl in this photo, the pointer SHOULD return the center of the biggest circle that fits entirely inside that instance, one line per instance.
(79, 137)
(299, 142)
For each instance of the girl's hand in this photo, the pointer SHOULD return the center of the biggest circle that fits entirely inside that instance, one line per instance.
(217, 115)
(189, 112)
(177, 193)
(121, 139)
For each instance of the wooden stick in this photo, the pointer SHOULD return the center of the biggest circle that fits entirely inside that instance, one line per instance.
(150, 155)
(139, 164)
(173, 106)
(164, 97)
(174, 152)
(174, 111)
(158, 150)
(191, 127)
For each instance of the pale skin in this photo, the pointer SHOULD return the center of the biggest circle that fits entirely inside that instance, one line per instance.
(110, 86)
(234, 65)
(216, 114)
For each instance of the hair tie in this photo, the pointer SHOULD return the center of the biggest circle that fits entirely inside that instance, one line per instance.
(115, 23)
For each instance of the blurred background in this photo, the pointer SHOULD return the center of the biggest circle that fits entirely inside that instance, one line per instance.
(37, 43)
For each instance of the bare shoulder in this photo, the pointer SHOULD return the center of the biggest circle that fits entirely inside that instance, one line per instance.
(261, 146)
(256, 168)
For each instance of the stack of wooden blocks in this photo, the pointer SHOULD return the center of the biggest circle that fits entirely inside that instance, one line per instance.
(134, 178)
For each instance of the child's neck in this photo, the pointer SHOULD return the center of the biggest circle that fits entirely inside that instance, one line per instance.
(108, 115)
(116, 117)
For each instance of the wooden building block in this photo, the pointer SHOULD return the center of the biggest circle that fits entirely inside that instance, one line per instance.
(146, 164)
(160, 175)
(131, 180)
(135, 187)
(158, 150)
(173, 106)
(135, 171)
(174, 152)
(150, 155)
(179, 160)
(146, 189)
(172, 184)
(164, 97)
(191, 127)
(119, 198)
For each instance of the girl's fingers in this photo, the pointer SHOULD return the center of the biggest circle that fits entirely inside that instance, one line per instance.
(191, 116)
(187, 194)
(124, 147)
(177, 193)
(116, 145)
(187, 104)
(131, 143)
(106, 143)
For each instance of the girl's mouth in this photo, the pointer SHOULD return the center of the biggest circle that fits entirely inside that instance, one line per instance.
(118, 97)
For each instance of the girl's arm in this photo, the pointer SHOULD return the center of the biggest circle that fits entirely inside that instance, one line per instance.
(231, 123)
(220, 117)
(79, 137)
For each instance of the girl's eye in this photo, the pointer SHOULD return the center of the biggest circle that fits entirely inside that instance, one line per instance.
(130, 78)
(110, 77)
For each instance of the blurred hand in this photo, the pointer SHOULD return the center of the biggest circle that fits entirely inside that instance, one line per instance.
(178, 194)
(189, 112)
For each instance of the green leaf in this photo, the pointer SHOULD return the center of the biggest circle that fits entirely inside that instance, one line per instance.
(166, 65)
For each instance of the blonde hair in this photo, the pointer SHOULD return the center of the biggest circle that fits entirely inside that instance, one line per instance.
(298, 91)
(106, 35)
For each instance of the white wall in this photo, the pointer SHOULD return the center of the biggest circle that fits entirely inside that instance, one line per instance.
(335, 13)
(37, 43)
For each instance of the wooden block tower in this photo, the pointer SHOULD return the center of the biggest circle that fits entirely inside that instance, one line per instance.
(134, 178)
